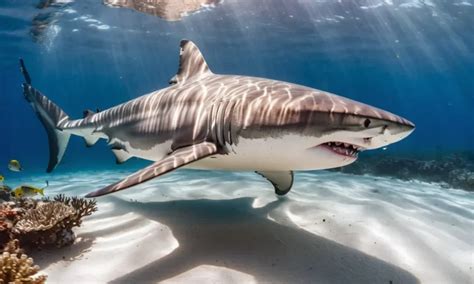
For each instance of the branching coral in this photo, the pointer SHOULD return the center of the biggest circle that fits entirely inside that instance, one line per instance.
(51, 221)
(82, 207)
(43, 222)
(14, 269)
(35, 224)
(26, 203)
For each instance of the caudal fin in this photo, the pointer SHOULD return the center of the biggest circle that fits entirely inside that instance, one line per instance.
(52, 118)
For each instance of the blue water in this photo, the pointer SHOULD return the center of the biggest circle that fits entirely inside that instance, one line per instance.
(414, 58)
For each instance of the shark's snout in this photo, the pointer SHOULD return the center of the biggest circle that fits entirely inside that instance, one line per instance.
(387, 131)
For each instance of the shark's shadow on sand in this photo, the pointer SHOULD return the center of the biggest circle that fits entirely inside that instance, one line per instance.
(233, 234)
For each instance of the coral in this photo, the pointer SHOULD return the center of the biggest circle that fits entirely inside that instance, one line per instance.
(37, 223)
(27, 203)
(51, 221)
(6, 211)
(44, 217)
(13, 247)
(14, 269)
(82, 207)
(8, 216)
(46, 224)
(4, 236)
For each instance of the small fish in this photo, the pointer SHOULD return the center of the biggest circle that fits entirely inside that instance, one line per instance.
(26, 191)
(2, 179)
(14, 166)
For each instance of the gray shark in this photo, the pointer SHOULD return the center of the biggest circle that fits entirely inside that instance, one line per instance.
(211, 121)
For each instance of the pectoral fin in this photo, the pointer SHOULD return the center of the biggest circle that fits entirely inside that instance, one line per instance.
(172, 161)
(282, 180)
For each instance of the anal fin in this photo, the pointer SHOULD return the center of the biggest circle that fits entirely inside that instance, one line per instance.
(176, 159)
(282, 181)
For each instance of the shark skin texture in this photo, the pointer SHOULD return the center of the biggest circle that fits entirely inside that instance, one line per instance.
(211, 121)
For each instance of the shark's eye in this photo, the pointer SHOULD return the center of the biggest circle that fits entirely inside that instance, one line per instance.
(367, 123)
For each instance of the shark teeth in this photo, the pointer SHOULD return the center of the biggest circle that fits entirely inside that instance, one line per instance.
(344, 149)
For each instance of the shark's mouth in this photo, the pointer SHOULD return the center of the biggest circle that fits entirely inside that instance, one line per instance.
(344, 149)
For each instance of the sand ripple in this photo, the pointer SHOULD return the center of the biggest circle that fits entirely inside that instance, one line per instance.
(422, 229)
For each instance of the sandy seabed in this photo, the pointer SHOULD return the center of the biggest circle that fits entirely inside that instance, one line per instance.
(223, 227)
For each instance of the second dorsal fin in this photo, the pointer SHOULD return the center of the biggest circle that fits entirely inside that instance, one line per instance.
(192, 65)
(87, 112)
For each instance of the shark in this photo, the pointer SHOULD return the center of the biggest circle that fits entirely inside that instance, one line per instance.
(204, 120)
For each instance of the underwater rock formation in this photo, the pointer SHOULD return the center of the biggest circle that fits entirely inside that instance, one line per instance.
(454, 170)
(19, 269)
(170, 10)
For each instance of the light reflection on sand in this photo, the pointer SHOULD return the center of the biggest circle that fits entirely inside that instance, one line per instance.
(424, 230)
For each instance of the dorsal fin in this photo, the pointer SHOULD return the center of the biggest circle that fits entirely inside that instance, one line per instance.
(192, 65)
(87, 112)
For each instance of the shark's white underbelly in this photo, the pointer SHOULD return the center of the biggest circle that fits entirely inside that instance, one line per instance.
(269, 154)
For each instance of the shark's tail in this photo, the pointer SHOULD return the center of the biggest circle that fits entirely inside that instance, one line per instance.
(52, 118)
